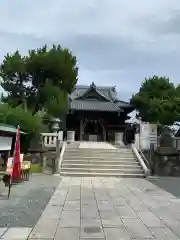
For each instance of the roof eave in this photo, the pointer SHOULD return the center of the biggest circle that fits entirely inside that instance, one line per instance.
(98, 110)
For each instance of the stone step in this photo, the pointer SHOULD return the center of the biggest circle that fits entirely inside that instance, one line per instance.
(98, 154)
(101, 162)
(98, 158)
(102, 166)
(89, 150)
(104, 170)
(121, 175)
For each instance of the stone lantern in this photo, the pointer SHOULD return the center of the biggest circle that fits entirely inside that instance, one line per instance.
(55, 122)
(55, 127)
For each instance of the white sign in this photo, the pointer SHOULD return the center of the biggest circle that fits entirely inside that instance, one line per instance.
(148, 135)
(5, 143)
(10, 160)
(153, 134)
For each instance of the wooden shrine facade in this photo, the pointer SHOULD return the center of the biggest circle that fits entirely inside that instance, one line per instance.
(96, 113)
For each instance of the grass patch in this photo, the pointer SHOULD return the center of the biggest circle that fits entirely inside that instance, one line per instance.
(36, 168)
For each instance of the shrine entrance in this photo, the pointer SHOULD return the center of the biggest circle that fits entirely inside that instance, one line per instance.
(93, 130)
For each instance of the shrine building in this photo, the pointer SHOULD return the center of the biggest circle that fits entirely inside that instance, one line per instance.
(96, 113)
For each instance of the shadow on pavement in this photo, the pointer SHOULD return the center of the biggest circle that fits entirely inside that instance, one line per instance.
(169, 184)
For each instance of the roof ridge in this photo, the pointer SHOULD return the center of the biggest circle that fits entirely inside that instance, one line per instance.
(88, 86)
(122, 101)
(93, 89)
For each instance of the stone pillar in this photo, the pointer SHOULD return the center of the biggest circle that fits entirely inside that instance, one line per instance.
(119, 138)
(57, 159)
(60, 136)
(137, 142)
(70, 136)
(45, 142)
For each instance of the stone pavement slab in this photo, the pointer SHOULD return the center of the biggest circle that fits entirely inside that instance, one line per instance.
(2, 231)
(67, 234)
(111, 209)
(16, 233)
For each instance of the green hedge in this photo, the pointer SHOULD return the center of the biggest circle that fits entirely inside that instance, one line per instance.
(17, 116)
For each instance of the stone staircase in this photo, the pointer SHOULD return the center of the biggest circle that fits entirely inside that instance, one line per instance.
(100, 162)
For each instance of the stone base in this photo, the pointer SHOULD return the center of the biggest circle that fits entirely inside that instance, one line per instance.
(70, 136)
(119, 139)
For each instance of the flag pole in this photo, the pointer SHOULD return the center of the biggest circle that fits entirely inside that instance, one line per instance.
(14, 163)
(14, 151)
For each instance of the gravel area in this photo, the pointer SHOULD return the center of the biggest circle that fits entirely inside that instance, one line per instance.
(27, 201)
(169, 184)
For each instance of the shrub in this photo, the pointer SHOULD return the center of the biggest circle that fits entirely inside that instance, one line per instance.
(17, 116)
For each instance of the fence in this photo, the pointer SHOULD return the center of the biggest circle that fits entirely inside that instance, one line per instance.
(50, 139)
(176, 142)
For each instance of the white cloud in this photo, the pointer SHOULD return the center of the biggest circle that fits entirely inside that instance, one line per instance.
(117, 42)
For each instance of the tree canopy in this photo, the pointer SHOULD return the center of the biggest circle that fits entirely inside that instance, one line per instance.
(17, 116)
(41, 80)
(158, 101)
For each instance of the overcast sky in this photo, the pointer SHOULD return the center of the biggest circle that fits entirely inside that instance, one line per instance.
(117, 42)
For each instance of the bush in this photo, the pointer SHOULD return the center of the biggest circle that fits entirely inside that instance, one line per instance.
(17, 116)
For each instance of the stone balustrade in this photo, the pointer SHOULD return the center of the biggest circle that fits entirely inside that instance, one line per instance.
(50, 139)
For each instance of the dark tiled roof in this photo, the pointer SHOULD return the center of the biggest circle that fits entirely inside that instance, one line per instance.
(110, 103)
(95, 106)
(124, 104)
(108, 92)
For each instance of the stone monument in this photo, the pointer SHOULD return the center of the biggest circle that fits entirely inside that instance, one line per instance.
(166, 142)
(166, 155)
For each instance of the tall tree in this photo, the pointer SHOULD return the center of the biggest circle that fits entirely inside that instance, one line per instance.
(158, 101)
(55, 67)
(13, 72)
(49, 76)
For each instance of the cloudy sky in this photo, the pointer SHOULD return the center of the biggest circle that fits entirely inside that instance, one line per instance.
(117, 42)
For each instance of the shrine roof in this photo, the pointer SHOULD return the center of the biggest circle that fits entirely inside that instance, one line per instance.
(108, 92)
(95, 106)
(97, 98)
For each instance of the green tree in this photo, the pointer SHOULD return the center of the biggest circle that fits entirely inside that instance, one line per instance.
(14, 74)
(158, 101)
(17, 116)
(31, 125)
(49, 75)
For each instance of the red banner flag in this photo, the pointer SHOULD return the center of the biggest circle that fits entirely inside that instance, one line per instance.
(16, 172)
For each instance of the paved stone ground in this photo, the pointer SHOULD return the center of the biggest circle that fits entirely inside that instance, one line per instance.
(27, 201)
(169, 184)
(111, 209)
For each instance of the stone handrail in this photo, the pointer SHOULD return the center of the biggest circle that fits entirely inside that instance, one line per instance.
(50, 139)
(141, 161)
(61, 155)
